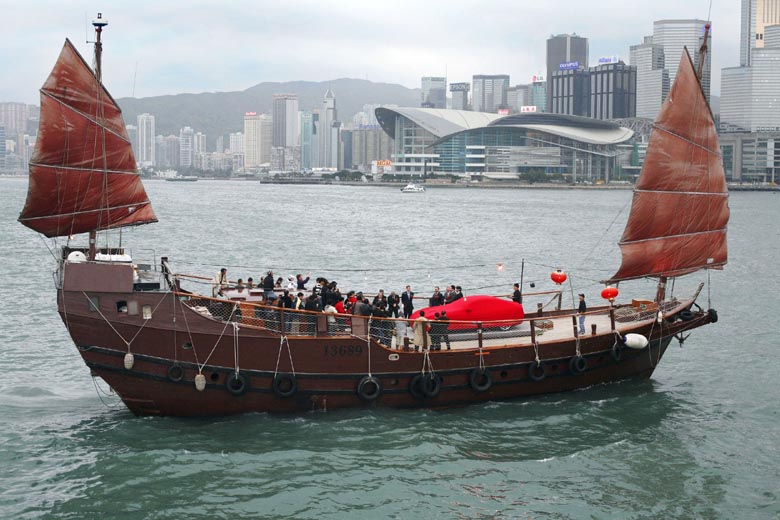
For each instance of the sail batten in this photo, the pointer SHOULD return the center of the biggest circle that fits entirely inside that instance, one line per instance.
(83, 176)
(679, 212)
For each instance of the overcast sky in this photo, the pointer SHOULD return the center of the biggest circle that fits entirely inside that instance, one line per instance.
(165, 47)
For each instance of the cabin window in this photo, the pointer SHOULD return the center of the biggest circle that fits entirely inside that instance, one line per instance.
(132, 308)
(147, 312)
(121, 307)
(94, 303)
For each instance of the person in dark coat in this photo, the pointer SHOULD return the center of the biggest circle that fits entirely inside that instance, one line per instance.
(407, 299)
(301, 282)
(268, 285)
(393, 304)
(517, 296)
(437, 298)
(444, 334)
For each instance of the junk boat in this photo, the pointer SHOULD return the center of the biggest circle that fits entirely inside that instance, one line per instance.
(169, 351)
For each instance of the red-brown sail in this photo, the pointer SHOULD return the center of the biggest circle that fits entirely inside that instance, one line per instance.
(679, 212)
(82, 173)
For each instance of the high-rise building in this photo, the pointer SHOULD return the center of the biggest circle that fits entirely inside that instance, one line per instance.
(258, 137)
(434, 92)
(172, 149)
(538, 93)
(199, 143)
(489, 92)
(285, 120)
(307, 138)
(676, 35)
(14, 117)
(186, 147)
(369, 144)
(2, 146)
(565, 52)
(146, 134)
(518, 97)
(132, 133)
(652, 79)
(612, 91)
(569, 92)
(749, 95)
(336, 157)
(460, 95)
(756, 16)
(237, 143)
(328, 115)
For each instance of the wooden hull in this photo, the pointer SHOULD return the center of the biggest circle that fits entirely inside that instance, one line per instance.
(175, 343)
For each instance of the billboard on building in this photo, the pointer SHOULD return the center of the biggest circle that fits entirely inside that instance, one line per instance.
(528, 108)
(569, 65)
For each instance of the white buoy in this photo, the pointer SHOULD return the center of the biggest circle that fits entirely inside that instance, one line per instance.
(129, 361)
(200, 382)
(76, 257)
(660, 318)
(636, 341)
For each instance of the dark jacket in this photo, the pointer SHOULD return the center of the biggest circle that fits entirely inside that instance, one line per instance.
(408, 300)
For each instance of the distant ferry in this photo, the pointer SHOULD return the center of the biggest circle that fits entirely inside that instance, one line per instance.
(182, 178)
(413, 188)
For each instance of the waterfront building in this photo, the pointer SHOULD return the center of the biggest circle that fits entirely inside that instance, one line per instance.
(285, 120)
(756, 16)
(569, 91)
(460, 95)
(236, 140)
(538, 93)
(489, 92)
(146, 135)
(749, 95)
(335, 157)
(369, 144)
(199, 143)
(14, 117)
(307, 137)
(172, 151)
(751, 157)
(612, 91)
(565, 52)
(328, 115)
(652, 78)
(473, 144)
(517, 97)
(258, 139)
(434, 92)
(132, 134)
(219, 144)
(2, 146)
(186, 136)
(676, 35)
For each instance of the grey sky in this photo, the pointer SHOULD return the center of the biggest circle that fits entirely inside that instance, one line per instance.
(201, 45)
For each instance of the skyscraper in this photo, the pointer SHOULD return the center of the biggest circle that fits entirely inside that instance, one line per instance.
(328, 115)
(285, 120)
(14, 116)
(565, 52)
(612, 91)
(132, 133)
(258, 136)
(146, 136)
(460, 95)
(2, 146)
(434, 92)
(186, 135)
(756, 16)
(569, 92)
(307, 137)
(489, 92)
(674, 36)
(652, 79)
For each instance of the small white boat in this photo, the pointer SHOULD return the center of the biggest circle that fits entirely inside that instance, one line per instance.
(413, 188)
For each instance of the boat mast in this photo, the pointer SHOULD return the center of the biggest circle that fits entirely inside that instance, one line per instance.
(98, 24)
(660, 294)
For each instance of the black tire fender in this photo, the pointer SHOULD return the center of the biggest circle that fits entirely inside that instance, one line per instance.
(537, 371)
(685, 315)
(713, 314)
(480, 379)
(237, 383)
(284, 385)
(369, 388)
(175, 373)
(578, 365)
(424, 386)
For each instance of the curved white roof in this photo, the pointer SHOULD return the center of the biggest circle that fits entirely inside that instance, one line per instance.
(438, 121)
(444, 123)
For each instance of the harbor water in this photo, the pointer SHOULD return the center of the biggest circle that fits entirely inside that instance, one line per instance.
(697, 440)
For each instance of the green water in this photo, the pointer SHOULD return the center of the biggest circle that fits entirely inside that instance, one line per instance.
(698, 440)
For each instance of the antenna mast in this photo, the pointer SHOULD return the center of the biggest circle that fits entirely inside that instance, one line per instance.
(99, 23)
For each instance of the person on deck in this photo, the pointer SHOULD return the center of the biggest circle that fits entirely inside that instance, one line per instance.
(449, 294)
(407, 299)
(219, 282)
(301, 281)
(437, 298)
(393, 304)
(421, 328)
(443, 329)
(581, 310)
(268, 285)
(380, 300)
(517, 296)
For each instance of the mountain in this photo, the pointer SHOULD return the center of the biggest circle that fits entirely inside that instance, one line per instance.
(219, 113)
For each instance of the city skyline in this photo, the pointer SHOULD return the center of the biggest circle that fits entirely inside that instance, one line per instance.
(147, 53)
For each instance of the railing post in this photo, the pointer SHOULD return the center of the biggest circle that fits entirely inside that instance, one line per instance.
(479, 334)
(539, 309)
(560, 300)
(612, 318)
(574, 325)
(533, 332)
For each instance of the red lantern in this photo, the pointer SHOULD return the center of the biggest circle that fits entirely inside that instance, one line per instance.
(558, 276)
(609, 293)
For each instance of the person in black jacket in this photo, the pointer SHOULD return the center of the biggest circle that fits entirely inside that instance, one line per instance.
(268, 285)
(407, 299)
(517, 296)
(444, 323)
(437, 298)
(393, 305)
